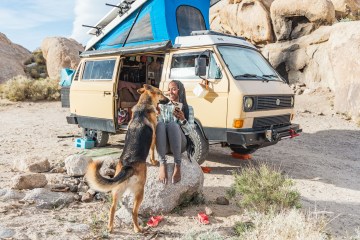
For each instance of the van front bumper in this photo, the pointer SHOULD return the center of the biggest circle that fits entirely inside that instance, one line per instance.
(261, 138)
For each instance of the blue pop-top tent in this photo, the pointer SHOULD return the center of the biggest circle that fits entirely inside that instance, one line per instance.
(158, 21)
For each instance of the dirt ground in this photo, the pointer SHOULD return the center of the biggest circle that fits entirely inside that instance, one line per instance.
(324, 161)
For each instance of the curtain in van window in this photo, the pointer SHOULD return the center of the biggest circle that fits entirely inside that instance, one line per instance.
(99, 70)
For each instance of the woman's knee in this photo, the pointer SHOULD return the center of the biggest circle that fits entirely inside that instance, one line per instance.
(172, 126)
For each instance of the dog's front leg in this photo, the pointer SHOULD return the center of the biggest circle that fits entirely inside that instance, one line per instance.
(152, 147)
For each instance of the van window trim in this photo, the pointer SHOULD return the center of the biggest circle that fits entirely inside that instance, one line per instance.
(185, 54)
(97, 79)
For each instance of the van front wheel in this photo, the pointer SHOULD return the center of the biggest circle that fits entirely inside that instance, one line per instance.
(99, 137)
(239, 149)
(197, 146)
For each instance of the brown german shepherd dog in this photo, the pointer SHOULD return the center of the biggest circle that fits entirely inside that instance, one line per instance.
(131, 169)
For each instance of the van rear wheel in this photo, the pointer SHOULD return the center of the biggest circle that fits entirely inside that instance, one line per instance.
(241, 150)
(99, 137)
(197, 146)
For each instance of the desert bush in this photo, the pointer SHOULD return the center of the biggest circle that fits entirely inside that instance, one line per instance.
(21, 88)
(264, 189)
(38, 58)
(211, 234)
(287, 224)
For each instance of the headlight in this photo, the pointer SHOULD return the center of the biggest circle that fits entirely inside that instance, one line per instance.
(248, 103)
(292, 101)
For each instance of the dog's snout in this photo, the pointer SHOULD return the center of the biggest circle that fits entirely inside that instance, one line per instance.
(164, 100)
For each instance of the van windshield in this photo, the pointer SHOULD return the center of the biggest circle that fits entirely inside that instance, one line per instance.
(247, 64)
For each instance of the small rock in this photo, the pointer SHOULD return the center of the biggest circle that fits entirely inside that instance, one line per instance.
(73, 188)
(91, 192)
(6, 233)
(58, 170)
(76, 165)
(77, 197)
(35, 165)
(208, 211)
(29, 181)
(87, 197)
(60, 188)
(321, 114)
(82, 187)
(222, 201)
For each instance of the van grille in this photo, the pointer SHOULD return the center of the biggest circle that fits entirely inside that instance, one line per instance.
(275, 121)
(273, 102)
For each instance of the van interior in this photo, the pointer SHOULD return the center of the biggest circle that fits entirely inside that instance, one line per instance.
(135, 71)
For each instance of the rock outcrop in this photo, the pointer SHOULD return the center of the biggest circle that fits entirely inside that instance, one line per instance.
(237, 19)
(12, 58)
(292, 18)
(347, 9)
(327, 58)
(60, 53)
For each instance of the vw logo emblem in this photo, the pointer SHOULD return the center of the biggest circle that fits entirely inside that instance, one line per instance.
(278, 102)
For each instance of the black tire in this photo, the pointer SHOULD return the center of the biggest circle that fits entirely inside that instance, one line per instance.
(197, 146)
(99, 137)
(239, 149)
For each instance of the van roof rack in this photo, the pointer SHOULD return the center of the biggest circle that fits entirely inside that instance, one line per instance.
(210, 32)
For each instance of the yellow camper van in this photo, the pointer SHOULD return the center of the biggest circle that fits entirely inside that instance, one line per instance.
(243, 102)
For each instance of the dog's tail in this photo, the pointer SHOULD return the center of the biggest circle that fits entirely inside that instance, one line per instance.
(102, 184)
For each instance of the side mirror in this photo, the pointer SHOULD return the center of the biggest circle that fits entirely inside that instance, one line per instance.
(200, 66)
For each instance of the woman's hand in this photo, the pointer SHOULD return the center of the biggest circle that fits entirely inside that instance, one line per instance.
(179, 114)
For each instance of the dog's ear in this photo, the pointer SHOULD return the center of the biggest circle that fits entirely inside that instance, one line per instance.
(148, 87)
(141, 90)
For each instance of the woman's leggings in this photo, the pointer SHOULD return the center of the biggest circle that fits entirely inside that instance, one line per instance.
(170, 139)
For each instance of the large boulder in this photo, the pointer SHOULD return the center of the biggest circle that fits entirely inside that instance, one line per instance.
(60, 53)
(344, 52)
(12, 58)
(327, 58)
(293, 18)
(237, 19)
(347, 9)
(160, 198)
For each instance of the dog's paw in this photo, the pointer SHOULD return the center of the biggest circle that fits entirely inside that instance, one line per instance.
(138, 229)
(154, 162)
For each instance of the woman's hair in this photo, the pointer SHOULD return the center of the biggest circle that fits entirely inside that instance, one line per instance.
(182, 97)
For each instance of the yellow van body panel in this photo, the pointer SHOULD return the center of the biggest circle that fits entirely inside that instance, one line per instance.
(94, 98)
(212, 109)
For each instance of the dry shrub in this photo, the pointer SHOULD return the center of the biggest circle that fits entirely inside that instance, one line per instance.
(264, 189)
(292, 224)
(21, 88)
(17, 88)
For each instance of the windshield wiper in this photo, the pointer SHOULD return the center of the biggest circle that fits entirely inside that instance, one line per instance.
(248, 75)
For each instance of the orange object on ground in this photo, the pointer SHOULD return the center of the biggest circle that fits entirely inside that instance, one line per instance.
(203, 218)
(241, 156)
(206, 169)
(154, 221)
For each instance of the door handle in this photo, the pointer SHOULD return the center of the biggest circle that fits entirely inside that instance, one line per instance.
(107, 93)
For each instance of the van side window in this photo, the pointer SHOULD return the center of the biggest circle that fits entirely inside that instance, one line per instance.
(99, 70)
(183, 67)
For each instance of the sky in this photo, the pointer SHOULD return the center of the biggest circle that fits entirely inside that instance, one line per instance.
(28, 22)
